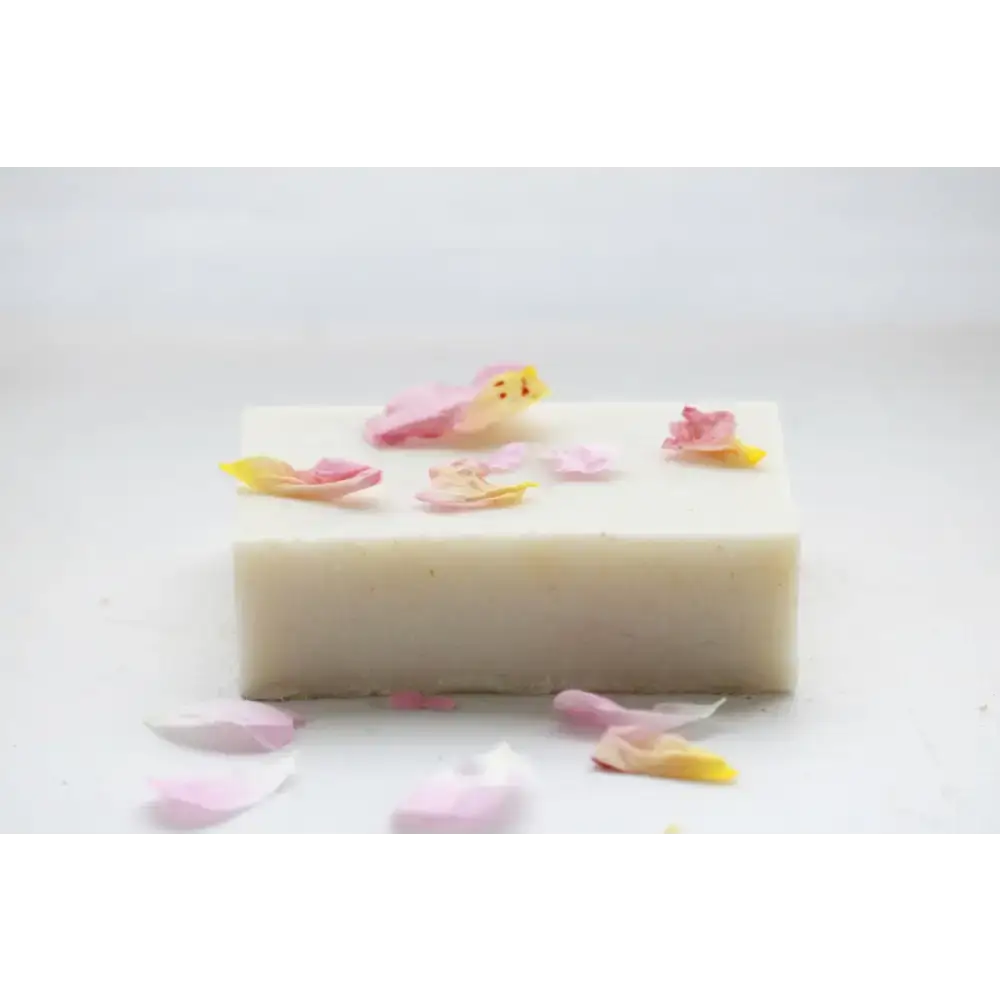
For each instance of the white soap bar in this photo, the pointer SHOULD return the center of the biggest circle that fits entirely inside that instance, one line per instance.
(671, 577)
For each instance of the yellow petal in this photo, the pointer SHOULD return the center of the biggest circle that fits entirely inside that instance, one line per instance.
(742, 456)
(695, 764)
(259, 471)
(672, 828)
(506, 395)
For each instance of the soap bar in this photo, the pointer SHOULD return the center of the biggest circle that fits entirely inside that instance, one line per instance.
(670, 576)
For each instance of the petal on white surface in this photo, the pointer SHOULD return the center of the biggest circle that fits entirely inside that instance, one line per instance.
(201, 801)
(482, 795)
(507, 458)
(230, 725)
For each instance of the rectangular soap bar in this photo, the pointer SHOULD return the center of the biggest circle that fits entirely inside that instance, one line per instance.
(670, 577)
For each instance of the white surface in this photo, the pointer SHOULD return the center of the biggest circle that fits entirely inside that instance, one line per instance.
(670, 576)
(140, 313)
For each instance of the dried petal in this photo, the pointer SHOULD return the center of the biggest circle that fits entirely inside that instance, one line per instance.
(583, 460)
(192, 802)
(329, 479)
(480, 797)
(594, 711)
(431, 411)
(227, 724)
(412, 701)
(711, 435)
(461, 486)
(505, 395)
(635, 750)
(504, 459)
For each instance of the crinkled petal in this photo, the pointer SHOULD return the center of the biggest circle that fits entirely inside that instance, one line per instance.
(583, 460)
(200, 801)
(423, 412)
(227, 724)
(506, 394)
(329, 479)
(635, 750)
(504, 459)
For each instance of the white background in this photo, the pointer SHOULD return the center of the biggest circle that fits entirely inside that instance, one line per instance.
(140, 311)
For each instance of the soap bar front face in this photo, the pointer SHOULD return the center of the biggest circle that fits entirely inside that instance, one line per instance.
(670, 576)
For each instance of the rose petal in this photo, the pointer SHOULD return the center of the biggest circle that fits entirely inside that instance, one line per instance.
(406, 701)
(329, 479)
(505, 395)
(228, 725)
(191, 802)
(479, 797)
(583, 460)
(594, 711)
(333, 470)
(701, 431)
(635, 750)
(505, 459)
(461, 486)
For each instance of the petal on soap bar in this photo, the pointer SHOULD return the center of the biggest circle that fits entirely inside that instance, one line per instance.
(329, 479)
(502, 396)
(700, 431)
(461, 486)
(634, 750)
(505, 459)
(229, 725)
(594, 711)
(482, 796)
(431, 411)
(414, 701)
(200, 801)
(584, 460)
(712, 435)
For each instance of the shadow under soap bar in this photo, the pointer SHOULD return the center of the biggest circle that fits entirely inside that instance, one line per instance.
(672, 576)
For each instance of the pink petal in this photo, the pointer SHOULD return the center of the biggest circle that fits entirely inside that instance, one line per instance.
(191, 802)
(594, 711)
(406, 701)
(701, 431)
(333, 470)
(505, 459)
(481, 797)
(227, 724)
(330, 490)
(583, 460)
(428, 411)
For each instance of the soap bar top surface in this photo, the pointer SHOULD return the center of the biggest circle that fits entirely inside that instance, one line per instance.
(650, 493)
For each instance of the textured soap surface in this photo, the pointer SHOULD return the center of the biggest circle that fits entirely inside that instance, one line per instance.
(671, 576)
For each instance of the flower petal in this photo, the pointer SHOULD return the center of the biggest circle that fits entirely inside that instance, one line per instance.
(228, 725)
(427, 411)
(461, 486)
(712, 435)
(329, 479)
(594, 711)
(328, 491)
(583, 460)
(333, 470)
(258, 471)
(504, 459)
(480, 797)
(634, 750)
(503, 396)
(192, 802)
(413, 701)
